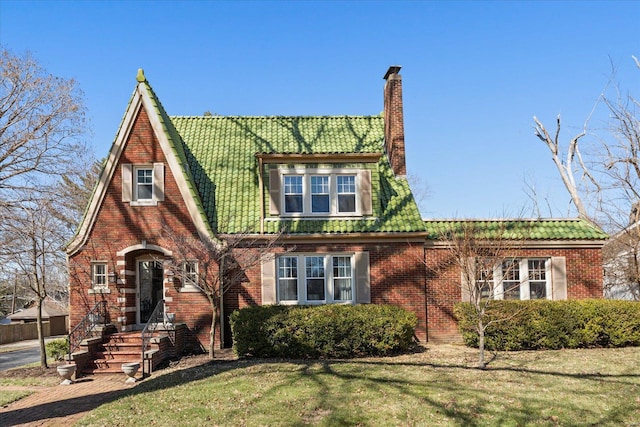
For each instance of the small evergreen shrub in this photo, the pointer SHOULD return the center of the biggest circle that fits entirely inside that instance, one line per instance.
(57, 349)
(326, 331)
(543, 324)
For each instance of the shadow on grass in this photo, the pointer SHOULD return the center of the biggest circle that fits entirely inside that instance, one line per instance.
(446, 380)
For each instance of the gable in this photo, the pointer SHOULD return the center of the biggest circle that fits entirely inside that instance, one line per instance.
(146, 123)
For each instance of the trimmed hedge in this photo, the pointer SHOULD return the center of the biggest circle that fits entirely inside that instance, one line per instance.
(325, 331)
(543, 324)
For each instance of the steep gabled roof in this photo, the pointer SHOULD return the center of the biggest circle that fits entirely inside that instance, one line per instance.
(173, 148)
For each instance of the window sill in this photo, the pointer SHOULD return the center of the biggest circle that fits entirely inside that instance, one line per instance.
(189, 289)
(144, 203)
(93, 291)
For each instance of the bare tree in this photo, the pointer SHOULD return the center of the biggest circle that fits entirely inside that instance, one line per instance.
(221, 262)
(41, 120)
(33, 247)
(566, 168)
(485, 253)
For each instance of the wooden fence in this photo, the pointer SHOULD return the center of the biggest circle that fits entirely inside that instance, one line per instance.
(22, 331)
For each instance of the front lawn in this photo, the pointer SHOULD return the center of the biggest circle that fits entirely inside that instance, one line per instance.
(439, 386)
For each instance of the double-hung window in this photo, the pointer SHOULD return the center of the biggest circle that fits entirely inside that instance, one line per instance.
(99, 275)
(313, 278)
(142, 185)
(190, 274)
(293, 196)
(288, 278)
(346, 192)
(317, 193)
(518, 279)
(320, 195)
(143, 189)
(511, 279)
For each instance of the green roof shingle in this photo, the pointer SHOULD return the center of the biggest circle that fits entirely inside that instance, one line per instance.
(221, 153)
(525, 229)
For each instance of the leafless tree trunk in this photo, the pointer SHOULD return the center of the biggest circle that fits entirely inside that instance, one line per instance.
(484, 252)
(566, 167)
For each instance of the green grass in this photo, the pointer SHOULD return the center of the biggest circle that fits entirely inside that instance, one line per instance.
(8, 396)
(437, 387)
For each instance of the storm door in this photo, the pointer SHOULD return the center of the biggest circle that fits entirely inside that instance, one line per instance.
(149, 288)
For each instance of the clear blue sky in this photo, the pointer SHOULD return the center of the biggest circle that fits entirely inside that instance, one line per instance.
(474, 74)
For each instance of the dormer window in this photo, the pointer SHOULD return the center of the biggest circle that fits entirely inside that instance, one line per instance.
(322, 193)
(346, 193)
(293, 196)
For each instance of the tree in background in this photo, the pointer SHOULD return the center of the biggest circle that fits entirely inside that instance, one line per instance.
(610, 180)
(41, 126)
(41, 123)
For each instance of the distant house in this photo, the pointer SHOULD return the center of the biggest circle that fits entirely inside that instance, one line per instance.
(622, 264)
(335, 186)
(52, 312)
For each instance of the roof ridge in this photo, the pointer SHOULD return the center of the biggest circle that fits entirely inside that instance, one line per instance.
(342, 116)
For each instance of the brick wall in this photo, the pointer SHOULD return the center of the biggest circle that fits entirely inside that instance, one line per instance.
(584, 280)
(396, 269)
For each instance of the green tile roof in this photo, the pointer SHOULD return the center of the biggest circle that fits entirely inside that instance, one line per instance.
(221, 153)
(528, 229)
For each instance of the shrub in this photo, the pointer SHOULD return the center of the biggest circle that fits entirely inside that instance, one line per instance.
(532, 325)
(326, 331)
(57, 349)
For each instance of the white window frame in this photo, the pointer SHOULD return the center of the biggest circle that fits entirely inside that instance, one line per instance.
(523, 278)
(97, 278)
(190, 278)
(136, 185)
(332, 174)
(329, 279)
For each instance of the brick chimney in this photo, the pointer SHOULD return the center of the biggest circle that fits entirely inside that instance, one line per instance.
(394, 120)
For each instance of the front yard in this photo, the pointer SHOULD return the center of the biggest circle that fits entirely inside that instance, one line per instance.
(438, 386)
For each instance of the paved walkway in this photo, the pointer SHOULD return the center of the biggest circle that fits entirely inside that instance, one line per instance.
(62, 405)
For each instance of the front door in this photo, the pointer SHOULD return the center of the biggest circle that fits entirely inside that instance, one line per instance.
(149, 288)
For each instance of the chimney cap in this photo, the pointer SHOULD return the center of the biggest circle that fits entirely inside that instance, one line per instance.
(394, 69)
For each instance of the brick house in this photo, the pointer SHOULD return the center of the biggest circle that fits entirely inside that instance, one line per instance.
(335, 187)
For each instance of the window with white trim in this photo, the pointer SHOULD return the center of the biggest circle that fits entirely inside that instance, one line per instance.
(99, 278)
(190, 274)
(143, 189)
(515, 278)
(315, 278)
(320, 193)
(142, 184)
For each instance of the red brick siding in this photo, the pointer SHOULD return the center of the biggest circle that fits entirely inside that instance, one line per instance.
(584, 280)
(120, 225)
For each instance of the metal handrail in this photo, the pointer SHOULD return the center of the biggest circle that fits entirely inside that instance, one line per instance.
(157, 318)
(84, 329)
